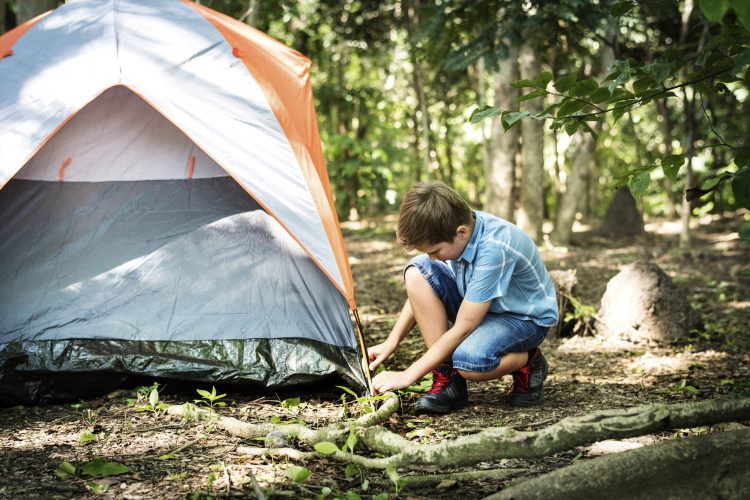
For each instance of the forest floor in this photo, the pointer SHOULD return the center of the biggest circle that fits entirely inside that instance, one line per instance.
(587, 374)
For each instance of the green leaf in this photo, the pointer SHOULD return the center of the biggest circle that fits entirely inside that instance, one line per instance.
(569, 107)
(741, 188)
(621, 8)
(671, 165)
(645, 85)
(638, 184)
(350, 471)
(65, 470)
(86, 437)
(511, 118)
(742, 9)
(393, 475)
(348, 391)
(600, 95)
(100, 467)
(658, 71)
(523, 84)
(97, 487)
(297, 474)
(153, 398)
(204, 393)
(742, 159)
(565, 83)
(584, 88)
(484, 112)
(291, 403)
(168, 456)
(744, 231)
(741, 60)
(571, 127)
(532, 95)
(617, 113)
(714, 10)
(543, 79)
(326, 448)
(351, 441)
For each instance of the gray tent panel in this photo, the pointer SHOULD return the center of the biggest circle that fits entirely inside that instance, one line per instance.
(177, 278)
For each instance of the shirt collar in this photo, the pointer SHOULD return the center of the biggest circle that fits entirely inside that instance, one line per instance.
(471, 247)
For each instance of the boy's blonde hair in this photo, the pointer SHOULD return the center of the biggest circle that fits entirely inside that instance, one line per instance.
(431, 213)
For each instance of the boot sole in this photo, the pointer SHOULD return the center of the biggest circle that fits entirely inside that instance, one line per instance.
(438, 409)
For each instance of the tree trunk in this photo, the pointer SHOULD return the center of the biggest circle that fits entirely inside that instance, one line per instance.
(3, 26)
(412, 20)
(504, 146)
(531, 196)
(708, 466)
(26, 9)
(666, 132)
(575, 186)
(685, 242)
(250, 17)
(582, 165)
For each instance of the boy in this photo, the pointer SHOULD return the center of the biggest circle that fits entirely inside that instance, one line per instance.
(484, 276)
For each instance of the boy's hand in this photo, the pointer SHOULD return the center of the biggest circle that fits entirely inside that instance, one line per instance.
(390, 381)
(379, 353)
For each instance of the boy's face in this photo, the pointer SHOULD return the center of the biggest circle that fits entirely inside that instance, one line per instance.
(447, 250)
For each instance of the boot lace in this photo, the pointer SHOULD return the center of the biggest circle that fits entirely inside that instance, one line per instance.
(521, 380)
(439, 380)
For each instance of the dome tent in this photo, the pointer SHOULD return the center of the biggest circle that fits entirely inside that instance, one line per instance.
(164, 206)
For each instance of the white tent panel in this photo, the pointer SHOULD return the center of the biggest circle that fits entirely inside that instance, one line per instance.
(57, 67)
(119, 137)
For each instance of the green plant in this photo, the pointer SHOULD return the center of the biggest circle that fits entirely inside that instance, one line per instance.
(364, 404)
(582, 314)
(97, 467)
(297, 474)
(395, 478)
(87, 437)
(684, 387)
(210, 399)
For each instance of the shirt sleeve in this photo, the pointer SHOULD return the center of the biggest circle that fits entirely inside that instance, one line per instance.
(490, 278)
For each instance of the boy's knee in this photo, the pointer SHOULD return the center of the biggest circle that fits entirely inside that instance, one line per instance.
(413, 277)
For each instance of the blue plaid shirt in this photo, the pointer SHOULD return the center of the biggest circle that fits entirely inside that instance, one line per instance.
(501, 264)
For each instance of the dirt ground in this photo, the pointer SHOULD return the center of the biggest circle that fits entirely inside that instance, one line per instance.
(167, 460)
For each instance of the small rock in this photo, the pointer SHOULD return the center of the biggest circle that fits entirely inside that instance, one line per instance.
(446, 485)
(276, 439)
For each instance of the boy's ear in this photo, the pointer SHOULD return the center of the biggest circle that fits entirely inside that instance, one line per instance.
(463, 232)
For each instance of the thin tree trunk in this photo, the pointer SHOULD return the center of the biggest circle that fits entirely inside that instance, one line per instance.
(3, 26)
(480, 71)
(531, 196)
(575, 186)
(423, 138)
(503, 145)
(26, 9)
(582, 165)
(250, 17)
(666, 132)
(690, 129)
(449, 167)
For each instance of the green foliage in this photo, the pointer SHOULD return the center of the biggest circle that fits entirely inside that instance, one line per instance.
(97, 467)
(326, 448)
(297, 474)
(210, 399)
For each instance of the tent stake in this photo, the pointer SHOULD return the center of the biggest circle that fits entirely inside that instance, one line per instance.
(363, 348)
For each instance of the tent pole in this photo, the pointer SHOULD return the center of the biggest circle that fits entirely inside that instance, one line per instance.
(363, 348)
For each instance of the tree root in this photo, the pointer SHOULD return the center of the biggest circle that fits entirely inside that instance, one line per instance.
(492, 443)
(713, 465)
